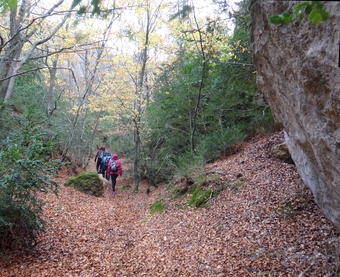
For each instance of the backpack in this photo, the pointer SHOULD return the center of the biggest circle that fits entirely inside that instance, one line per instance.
(106, 160)
(114, 166)
(101, 154)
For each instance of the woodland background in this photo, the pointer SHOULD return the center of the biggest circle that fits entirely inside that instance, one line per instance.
(159, 82)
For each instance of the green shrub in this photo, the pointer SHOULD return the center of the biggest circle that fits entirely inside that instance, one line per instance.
(191, 167)
(25, 171)
(87, 182)
(220, 142)
(158, 206)
(199, 197)
(177, 192)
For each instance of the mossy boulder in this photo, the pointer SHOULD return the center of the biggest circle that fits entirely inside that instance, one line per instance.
(87, 182)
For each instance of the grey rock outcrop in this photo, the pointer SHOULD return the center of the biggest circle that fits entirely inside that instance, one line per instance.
(281, 151)
(298, 72)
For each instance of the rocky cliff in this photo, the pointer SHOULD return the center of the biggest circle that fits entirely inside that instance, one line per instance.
(298, 71)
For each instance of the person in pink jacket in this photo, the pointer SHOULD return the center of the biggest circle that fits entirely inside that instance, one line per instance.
(114, 173)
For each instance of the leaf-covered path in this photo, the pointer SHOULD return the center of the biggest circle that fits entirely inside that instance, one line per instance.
(265, 223)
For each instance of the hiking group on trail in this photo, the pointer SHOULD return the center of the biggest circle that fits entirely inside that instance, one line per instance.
(108, 166)
(98, 159)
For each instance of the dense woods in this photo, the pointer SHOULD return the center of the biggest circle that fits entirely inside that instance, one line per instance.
(166, 85)
(169, 86)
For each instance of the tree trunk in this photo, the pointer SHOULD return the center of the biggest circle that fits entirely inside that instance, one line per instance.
(136, 156)
(14, 58)
(200, 47)
(91, 141)
(15, 43)
(53, 72)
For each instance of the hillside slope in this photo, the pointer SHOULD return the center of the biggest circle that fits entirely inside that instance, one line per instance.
(268, 226)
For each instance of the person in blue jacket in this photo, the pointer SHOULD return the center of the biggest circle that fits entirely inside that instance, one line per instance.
(104, 163)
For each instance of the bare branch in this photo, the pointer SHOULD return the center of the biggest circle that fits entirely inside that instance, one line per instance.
(65, 50)
(56, 101)
(35, 69)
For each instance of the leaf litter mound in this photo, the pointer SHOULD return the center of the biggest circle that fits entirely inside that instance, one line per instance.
(264, 223)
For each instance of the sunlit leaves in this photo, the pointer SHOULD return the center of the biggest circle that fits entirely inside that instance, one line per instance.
(183, 13)
(75, 3)
(12, 4)
(283, 18)
(317, 16)
(82, 10)
(8, 4)
(314, 11)
(96, 8)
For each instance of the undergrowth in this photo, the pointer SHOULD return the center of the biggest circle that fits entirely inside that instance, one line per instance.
(157, 206)
(199, 197)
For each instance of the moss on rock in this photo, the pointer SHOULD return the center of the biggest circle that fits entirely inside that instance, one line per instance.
(87, 182)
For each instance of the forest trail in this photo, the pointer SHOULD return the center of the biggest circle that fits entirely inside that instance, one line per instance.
(263, 224)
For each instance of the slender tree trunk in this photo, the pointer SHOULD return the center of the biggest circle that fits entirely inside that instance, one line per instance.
(53, 72)
(13, 51)
(136, 156)
(200, 47)
(142, 89)
(89, 153)
(140, 86)
(18, 39)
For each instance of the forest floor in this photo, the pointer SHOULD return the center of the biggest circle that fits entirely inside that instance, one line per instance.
(264, 223)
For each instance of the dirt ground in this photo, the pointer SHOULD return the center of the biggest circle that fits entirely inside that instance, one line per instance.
(265, 223)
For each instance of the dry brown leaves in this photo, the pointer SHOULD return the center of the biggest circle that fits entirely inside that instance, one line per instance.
(270, 226)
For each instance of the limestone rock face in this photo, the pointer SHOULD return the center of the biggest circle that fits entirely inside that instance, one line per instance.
(298, 71)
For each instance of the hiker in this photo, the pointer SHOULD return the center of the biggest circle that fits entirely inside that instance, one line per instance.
(114, 172)
(98, 159)
(105, 161)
